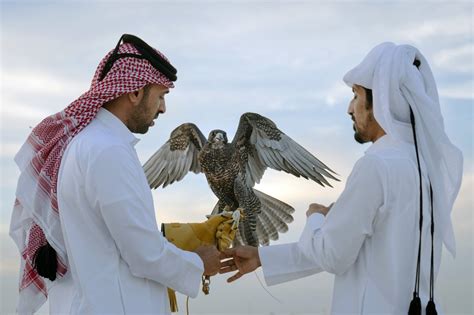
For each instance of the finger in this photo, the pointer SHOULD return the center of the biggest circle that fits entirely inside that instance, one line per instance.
(228, 269)
(228, 253)
(227, 263)
(223, 255)
(234, 277)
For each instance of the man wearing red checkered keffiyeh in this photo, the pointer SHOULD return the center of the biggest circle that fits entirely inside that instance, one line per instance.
(127, 90)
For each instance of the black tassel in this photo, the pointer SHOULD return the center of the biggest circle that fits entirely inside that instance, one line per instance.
(431, 308)
(415, 305)
(45, 262)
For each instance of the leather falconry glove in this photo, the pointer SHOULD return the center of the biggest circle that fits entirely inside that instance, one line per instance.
(218, 230)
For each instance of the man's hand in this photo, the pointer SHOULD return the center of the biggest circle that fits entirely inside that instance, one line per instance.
(317, 208)
(245, 259)
(211, 258)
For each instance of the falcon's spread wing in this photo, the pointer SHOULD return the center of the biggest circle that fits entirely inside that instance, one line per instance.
(261, 144)
(176, 157)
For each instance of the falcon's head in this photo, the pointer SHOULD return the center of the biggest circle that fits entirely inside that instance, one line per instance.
(217, 138)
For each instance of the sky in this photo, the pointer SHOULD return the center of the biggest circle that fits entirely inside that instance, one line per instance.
(284, 60)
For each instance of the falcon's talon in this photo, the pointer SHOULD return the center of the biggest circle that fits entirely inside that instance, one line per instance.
(227, 214)
(236, 217)
(241, 211)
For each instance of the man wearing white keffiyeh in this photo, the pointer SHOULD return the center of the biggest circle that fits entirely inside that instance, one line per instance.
(378, 238)
(84, 216)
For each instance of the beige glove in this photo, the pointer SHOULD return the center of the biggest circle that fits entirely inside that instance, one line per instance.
(218, 230)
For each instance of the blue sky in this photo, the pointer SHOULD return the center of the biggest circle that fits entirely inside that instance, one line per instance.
(282, 59)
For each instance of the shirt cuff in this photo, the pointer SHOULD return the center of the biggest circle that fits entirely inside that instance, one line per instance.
(271, 260)
(313, 223)
(284, 262)
(185, 270)
(263, 255)
(194, 272)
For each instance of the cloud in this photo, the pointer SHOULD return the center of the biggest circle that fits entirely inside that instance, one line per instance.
(462, 215)
(40, 84)
(29, 97)
(445, 26)
(12, 111)
(463, 90)
(456, 59)
(339, 93)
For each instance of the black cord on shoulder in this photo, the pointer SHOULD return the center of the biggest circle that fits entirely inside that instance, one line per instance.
(431, 307)
(415, 304)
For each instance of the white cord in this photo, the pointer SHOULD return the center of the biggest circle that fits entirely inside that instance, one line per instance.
(261, 284)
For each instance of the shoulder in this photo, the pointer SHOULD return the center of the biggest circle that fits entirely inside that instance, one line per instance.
(370, 162)
(391, 149)
(396, 156)
(370, 168)
(394, 160)
(94, 140)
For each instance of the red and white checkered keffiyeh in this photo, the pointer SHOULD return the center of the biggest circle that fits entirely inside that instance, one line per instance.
(35, 218)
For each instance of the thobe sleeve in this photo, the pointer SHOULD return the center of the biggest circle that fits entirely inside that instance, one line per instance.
(335, 244)
(116, 186)
(285, 262)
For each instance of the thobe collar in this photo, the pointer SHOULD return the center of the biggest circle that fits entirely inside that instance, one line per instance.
(382, 142)
(116, 126)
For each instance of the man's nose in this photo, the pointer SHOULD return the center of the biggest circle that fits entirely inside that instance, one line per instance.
(350, 109)
(163, 107)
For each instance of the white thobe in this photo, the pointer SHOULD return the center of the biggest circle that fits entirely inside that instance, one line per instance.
(119, 262)
(369, 238)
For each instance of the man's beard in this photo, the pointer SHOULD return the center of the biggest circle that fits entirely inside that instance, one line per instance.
(139, 119)
(358, 137)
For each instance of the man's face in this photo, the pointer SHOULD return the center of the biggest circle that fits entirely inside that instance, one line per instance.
(151, 105)
(362, 115)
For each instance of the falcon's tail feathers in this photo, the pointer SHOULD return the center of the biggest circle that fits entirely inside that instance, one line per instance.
(273, 218)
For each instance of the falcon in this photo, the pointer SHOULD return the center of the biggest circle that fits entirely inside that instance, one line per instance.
(232, 169)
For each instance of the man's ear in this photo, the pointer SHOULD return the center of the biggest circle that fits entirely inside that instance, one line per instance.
(136, 96)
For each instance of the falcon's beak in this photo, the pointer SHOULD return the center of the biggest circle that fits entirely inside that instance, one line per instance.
(219, 137)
